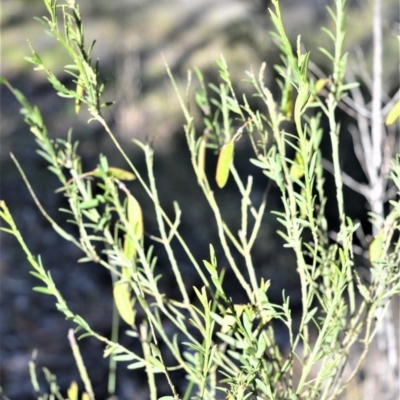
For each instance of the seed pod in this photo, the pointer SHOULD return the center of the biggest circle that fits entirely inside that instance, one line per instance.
(135, 219)
(376, 247)
(201, 159)
(393, 114)
(80, 90)
(224, 162)
(320, 84)
(117, 173)
(297, 168)
(73, 391)
(122, 300)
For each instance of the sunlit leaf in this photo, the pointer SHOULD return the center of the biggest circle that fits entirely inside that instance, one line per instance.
(393, 114)
(228, 323)
(122, 300)
(224, 162)
(229, 319)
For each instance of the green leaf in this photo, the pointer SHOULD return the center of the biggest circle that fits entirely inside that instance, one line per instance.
(89, 204)
(136, 365)
(224, 162)
(123, 357)
(44, 290)
(250, 351)
(156, 363)
(265, 389)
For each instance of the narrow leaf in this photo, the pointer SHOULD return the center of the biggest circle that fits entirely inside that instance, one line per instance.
(136, 365)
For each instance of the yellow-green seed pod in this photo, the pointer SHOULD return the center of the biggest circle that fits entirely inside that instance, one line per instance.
(201, 159)
(114, 172)
(121, 292)
(135, 218)
(73, 391)
(376, 247)
(297, 168)
(224, 162)
(121, 174)
(287, 100)
(320, 84)
(393, 114)
(80, 90)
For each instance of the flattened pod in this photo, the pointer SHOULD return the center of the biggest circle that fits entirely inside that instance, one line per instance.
(376, 247)
(224, 162)
(201, 159)
(320, 84)
(297, 168)
(80, 92)
(121, 174)
(114, 172)
(135, 219)
(135, 216)
(393, 114)
(122, 300)
(72, 391)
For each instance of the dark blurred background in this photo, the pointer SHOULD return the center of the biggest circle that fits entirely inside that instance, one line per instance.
(131, 35)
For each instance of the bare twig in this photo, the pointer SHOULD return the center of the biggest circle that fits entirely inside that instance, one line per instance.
(347, 179)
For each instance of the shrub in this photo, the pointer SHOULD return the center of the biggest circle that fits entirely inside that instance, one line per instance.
(225, 348)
